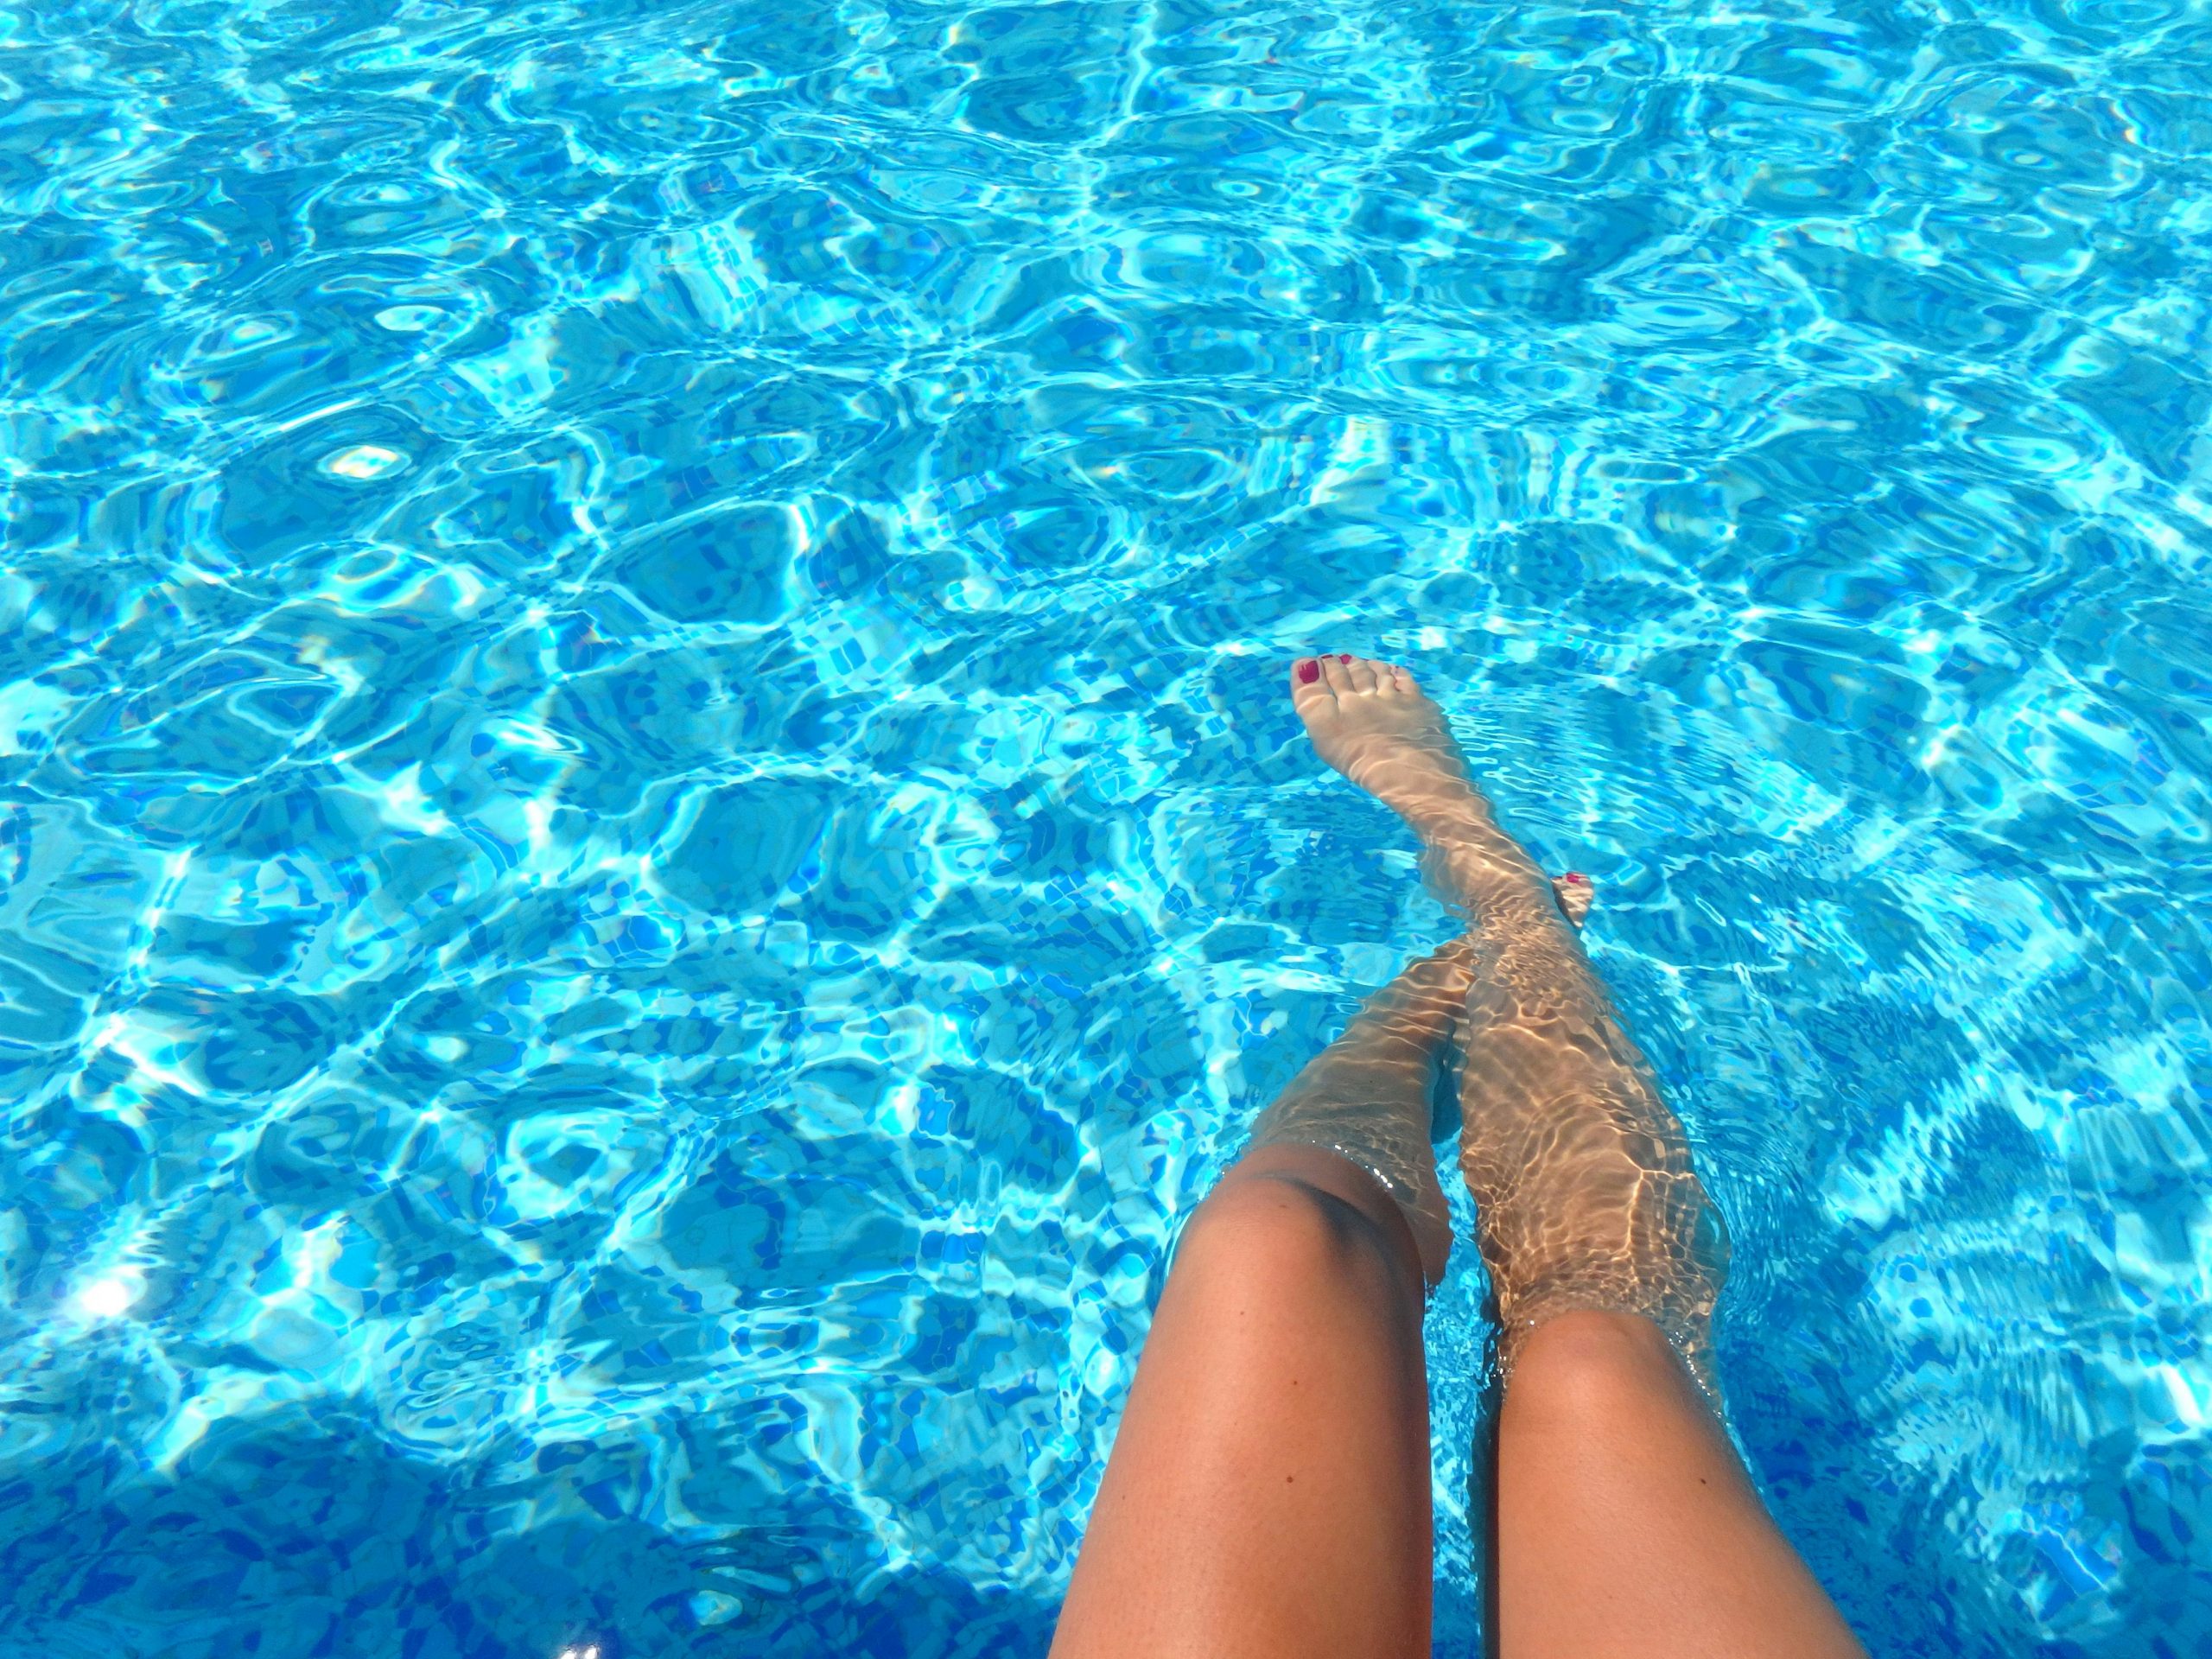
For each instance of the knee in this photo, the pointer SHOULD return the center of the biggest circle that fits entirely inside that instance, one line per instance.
(1589, 1362)
(1278, 1222)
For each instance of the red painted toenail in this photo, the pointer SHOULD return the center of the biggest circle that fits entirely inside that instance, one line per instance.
(1578, 877)
(1343, 655)
(1308, 671)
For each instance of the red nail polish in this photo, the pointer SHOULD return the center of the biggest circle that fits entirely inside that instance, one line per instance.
(1308, 671)
(1343, 655)
(1577, 877)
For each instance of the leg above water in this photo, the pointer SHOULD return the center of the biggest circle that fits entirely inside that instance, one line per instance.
(1268, 1492)
(1268, 1496)
(1626, 1528)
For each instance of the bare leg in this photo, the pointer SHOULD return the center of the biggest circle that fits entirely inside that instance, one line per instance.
(1580, 1175)
(1626, 1528)
(1269, 1491)
(1366, 1096)
(1617, 1488)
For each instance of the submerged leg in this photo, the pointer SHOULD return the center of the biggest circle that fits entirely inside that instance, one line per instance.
(1580, 1175)
(1625, 1524)
(1268, 1490)
(1367, 1096)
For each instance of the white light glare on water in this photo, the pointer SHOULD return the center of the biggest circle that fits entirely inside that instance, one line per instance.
(109, 1298)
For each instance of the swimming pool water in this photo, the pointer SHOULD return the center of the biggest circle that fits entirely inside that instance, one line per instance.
(651, 840)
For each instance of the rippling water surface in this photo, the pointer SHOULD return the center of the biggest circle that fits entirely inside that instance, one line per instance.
(651, 839)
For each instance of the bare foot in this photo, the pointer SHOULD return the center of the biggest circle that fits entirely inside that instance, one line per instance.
(1373, 723)
(1574, 895)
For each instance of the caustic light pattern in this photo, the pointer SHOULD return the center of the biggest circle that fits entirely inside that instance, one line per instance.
(650, 838)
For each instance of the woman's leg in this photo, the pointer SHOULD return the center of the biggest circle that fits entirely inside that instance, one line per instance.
(1625, 1524)
(1367, 1096)
(1268, 1490)
(1626, 1528)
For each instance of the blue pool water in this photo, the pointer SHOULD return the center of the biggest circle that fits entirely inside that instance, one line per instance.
(651, 840)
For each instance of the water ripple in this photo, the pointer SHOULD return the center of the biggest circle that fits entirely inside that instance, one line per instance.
(651, 840)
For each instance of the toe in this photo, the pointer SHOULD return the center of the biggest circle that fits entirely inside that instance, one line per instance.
(1402, 682)
(1307, 681)
(1575, 894)
(1364, 676)
(1336, 674)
